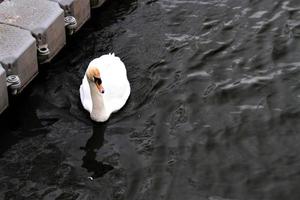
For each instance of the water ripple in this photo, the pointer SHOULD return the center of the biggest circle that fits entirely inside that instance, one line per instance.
(213, 114)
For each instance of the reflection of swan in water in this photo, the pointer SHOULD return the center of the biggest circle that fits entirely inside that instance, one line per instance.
(93, 144)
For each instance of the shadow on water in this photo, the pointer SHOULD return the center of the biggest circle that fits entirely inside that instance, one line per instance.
(19, 122)
(94, 143)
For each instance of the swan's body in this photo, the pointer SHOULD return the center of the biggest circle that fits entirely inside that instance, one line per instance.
(113, 74)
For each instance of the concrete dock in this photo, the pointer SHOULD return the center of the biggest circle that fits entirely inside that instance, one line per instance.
(32, 32)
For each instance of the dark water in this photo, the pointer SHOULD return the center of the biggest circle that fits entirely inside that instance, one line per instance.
(214, 111)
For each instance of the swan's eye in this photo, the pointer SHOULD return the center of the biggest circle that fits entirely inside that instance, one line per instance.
(98, 81)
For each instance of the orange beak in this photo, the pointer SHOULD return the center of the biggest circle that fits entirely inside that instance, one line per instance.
(100, 88)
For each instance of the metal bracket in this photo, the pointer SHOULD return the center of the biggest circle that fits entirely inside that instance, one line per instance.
(70, 24)
(43, 52)
(13, 82)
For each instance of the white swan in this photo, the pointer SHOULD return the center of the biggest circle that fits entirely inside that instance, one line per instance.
(105, 87)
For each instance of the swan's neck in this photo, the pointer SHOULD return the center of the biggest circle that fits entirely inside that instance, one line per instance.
(98, 109)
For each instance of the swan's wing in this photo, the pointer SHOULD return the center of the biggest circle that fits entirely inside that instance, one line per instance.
(115, 83)
(115, 102)
(85, 95)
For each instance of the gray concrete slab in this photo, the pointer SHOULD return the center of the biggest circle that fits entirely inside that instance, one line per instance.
(18, 53)
(44, 19)
(80, 9)
(3, 90)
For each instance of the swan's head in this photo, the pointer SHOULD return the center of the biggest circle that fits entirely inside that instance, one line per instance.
(93, 74)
